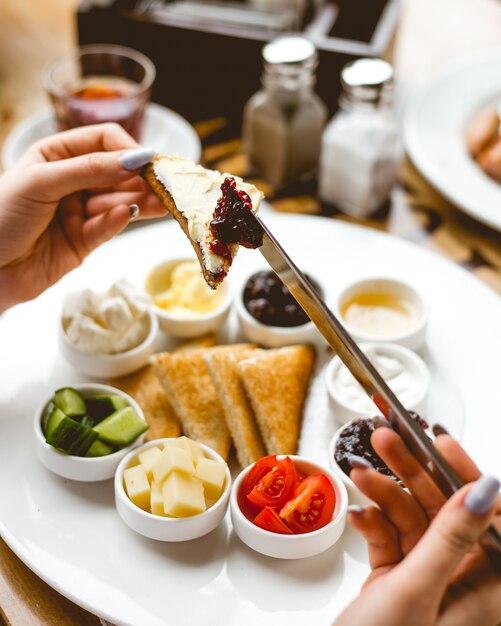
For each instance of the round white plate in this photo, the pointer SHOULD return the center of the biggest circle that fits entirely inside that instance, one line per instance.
(434, 133)
(164, 130)
(70, 534)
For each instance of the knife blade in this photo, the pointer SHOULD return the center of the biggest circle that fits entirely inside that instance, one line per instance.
(369, 378)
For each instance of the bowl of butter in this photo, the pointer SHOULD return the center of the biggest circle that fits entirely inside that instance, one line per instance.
(185, 306)
(108, 334)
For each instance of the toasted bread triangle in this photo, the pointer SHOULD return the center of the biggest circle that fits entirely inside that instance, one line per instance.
(223, 368)
(276, 382)
(188, 383)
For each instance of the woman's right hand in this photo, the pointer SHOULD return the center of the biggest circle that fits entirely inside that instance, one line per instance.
(427, 565)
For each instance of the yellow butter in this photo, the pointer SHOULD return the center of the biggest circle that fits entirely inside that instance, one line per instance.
(137, 486)
(183, 495)
(148, 458)
(169, 460)
(212, 474)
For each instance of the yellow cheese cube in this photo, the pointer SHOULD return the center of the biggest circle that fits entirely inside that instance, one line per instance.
(192, 447)
(171, 459)
(147, 458)
(137, 486)
(157, 501)
(212, 474)
(183, 495)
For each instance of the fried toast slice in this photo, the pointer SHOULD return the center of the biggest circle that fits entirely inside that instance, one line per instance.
(147, 391)
(276, 383)
(188, 383)
(238, 413)
(190, 193)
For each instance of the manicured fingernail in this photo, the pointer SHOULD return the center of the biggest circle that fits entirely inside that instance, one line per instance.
(481, 496)
(133, 159)
(355, 508)
(358, 462)
(438, 429)
(134, 212)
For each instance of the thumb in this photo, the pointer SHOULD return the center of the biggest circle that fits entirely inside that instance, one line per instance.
(55, 179)
(452, 534)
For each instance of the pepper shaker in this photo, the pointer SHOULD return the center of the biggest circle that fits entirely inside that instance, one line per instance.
(284, 121)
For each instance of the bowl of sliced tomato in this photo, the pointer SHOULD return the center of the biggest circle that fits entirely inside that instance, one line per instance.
(288, 507)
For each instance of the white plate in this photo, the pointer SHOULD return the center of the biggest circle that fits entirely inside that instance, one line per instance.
(164, 130)
(434, 132)
(70, 533)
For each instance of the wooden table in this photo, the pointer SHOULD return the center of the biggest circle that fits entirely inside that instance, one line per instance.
(430, 32)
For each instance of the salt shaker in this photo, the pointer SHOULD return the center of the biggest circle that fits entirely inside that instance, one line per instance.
(358, 163)
(284, 121)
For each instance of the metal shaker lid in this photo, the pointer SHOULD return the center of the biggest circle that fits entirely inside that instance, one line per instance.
(290, 52)
(368, 81)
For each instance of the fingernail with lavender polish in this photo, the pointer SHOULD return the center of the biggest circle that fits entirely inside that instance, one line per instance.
(438, 429)
(134, 212)
(355, 508)
(358, 462)
(481, 496)
(134, 159)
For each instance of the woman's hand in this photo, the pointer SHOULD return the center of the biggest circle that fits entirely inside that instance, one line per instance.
(427, 566)
(67, 194)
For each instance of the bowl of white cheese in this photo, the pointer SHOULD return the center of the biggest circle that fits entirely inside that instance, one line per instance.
(403, 370)
(108, 334)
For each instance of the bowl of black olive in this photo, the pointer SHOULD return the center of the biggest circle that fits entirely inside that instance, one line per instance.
(269, 315)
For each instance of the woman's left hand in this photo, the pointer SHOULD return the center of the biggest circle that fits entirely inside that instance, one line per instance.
(68, 194)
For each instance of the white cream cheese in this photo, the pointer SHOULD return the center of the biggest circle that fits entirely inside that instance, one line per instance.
(106, 323)
(405, 374)
(196, 190)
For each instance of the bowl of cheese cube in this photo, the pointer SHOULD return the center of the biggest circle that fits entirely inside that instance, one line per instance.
(172, 489)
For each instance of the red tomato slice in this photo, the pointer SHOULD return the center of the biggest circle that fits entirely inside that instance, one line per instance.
(312, 506)
(276, 486)
(268, 519)
(260, 468)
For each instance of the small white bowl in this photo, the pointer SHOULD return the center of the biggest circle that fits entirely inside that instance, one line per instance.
(168, 528)
(109, 365)
(414, 337)
(184, 327)
(291, 546)
(83, 469)
(272, 336)
(355, 494)
(344, 410)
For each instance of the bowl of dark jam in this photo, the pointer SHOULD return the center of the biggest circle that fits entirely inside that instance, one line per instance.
(268, 313)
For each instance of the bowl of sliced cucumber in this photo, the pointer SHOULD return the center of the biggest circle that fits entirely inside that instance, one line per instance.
(83, 432)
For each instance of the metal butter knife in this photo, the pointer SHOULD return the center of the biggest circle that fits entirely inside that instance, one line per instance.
(371, 381)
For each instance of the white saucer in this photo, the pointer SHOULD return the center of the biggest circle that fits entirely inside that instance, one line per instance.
(164, 130)
(434, 133)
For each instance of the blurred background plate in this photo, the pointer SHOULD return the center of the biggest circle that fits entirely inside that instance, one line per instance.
(164, 130)
(434, 133)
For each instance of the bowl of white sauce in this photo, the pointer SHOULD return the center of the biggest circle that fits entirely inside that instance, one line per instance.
(404, 371)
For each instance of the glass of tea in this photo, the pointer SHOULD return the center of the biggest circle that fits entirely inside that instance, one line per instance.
(100, 83)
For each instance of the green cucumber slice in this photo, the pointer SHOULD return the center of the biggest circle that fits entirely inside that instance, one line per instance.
(99, 448)
(71, 437)
(99, 407)
(86, 420)
(53, 421)
(70, 401)
(46, 415)
(121, 427)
